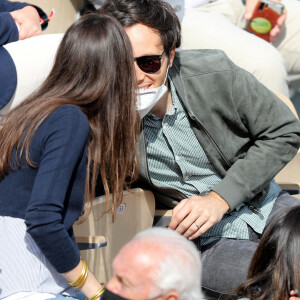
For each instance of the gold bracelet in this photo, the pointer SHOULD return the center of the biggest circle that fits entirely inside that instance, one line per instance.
(99, 293)
(83, 280)
(79, 282)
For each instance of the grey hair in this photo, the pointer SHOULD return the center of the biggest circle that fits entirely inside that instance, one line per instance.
(178, 263)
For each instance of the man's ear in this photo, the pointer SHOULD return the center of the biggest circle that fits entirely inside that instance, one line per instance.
(171, 295)
(172, 55)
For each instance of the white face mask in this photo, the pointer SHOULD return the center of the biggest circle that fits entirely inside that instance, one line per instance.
(147, 98)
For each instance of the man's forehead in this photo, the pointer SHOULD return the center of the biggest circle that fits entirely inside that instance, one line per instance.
(144, 40)
(132, 267)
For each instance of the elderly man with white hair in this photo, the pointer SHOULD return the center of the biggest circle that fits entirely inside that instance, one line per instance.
(159, 264)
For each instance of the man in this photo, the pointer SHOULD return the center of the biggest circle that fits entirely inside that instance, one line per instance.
(156, 264)
(212, 143)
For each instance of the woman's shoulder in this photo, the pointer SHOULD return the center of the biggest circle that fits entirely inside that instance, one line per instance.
(69, 116)
(67, 120)
(69, 111)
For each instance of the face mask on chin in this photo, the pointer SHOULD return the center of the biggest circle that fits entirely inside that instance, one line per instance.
(147, 98)
(108, 295)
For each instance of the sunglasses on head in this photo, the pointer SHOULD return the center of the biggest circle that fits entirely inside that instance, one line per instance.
(150, 63)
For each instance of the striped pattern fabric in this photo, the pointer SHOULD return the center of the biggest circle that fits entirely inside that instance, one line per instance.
(177, 160)
(24, 270)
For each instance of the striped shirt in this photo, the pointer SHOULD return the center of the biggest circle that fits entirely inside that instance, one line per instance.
(177, 160)
(24, 267)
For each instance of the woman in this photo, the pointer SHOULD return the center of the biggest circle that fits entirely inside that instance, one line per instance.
(274, 270)
(81, 120)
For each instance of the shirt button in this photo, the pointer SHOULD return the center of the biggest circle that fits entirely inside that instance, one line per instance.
(164, 127)
(177, 157)
(186, 177)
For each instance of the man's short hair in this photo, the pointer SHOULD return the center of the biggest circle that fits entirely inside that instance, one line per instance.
(178, 261)
(155, 14)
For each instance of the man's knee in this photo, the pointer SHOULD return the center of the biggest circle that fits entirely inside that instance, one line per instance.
(283, 202)
(226, 264)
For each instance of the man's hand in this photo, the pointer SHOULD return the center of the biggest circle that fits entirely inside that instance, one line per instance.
(276, 30)
(204, 211)
(28, 20)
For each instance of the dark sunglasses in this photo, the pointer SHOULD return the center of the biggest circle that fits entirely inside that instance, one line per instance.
(150, 63)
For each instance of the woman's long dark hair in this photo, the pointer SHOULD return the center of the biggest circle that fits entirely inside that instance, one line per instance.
(275, 267)
(93, 71)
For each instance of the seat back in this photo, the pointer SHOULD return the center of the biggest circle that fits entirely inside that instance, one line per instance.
(135, 214)
(288, 102)
(33, 59)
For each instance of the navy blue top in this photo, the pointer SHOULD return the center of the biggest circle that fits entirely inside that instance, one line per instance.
(9, 33)
(50, 196)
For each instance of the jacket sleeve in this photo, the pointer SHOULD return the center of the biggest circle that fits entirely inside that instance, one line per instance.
(8, 29)
(274, 139)
(8, 6)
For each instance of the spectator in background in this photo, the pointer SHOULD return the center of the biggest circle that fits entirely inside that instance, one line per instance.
(274, 269)
(222, 24)
(156, 264)
(18, 21)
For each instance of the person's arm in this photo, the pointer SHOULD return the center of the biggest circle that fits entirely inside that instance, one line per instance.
(275, 32)
(274, 134)
(58, 193)
(271, 131)
(8, 6)
(8, 29)
(26, 16)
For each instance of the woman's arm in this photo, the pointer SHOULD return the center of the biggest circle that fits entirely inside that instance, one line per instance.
(90, 287)
(58, 192)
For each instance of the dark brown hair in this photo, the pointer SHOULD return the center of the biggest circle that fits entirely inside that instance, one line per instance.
(93, 71)
(274, 269)
(156, 14)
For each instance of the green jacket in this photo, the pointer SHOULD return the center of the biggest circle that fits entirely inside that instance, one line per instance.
(246, 131)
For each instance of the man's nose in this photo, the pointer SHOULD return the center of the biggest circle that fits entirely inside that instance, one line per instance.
(113, 285)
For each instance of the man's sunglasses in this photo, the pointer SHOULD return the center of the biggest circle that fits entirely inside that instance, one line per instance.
(150, 63)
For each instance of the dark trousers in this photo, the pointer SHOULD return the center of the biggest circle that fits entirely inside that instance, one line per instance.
(226, 262)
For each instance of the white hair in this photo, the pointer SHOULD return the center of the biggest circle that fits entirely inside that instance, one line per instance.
(178, 262)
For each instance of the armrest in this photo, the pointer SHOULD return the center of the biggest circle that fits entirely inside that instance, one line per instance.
(162, 217)
(90, 242)
(289, 177)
